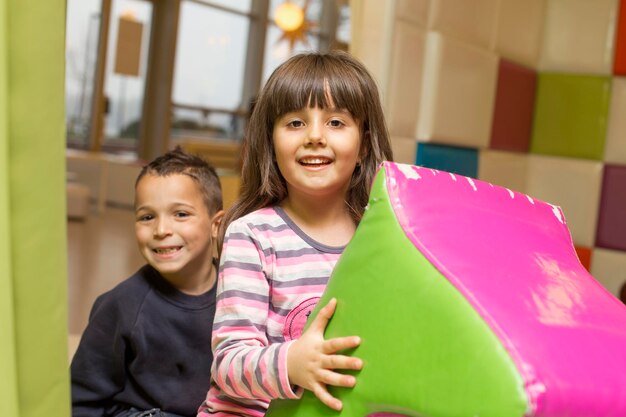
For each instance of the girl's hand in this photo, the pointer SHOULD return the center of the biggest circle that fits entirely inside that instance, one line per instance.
(311, 359)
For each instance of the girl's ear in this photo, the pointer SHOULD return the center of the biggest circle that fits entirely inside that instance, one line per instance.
(365, 138)
(215, 223)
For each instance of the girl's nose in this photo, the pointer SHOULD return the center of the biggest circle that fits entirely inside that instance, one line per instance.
(316, 135)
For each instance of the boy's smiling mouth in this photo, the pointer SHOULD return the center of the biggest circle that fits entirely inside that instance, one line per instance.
(167, 250)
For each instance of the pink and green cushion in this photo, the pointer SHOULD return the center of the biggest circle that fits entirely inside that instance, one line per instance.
(470, 301)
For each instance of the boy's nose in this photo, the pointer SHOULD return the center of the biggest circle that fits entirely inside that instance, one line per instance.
(161, 229)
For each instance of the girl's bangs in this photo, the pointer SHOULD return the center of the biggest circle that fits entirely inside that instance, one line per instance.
(325, 84)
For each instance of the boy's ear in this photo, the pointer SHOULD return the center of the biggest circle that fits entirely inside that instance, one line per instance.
(215, 223)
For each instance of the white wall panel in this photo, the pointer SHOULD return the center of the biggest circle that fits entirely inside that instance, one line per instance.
(615, 147)
(519, 31)
(471, 21)
(404, 149)
(405, 79)
(579, 36)
(609, 267)
(458, 93)
(572, 184)
(506, 169)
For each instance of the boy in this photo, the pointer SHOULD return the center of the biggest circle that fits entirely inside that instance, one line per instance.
(147, 348)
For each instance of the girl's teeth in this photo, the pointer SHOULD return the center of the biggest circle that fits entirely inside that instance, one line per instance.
(166, 250)
(314, 161)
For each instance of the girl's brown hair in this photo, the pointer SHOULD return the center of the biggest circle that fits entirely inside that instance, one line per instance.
(310, 80)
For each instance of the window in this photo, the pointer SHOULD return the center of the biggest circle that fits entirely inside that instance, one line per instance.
(83, 24)
(210, 97)
(209, 72)
(225, 51)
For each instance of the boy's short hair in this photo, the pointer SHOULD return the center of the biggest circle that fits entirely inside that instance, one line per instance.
(178, 161)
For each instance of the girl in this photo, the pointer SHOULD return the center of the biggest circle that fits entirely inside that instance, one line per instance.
(314, 141)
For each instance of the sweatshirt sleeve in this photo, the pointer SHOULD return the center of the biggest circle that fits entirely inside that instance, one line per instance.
(97, 369)
(245, 364)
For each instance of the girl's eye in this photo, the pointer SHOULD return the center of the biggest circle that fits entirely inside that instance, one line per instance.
(145, 218)
(295, 123)
(336, 123)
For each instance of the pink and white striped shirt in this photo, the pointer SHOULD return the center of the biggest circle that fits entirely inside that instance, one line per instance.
(271, 277)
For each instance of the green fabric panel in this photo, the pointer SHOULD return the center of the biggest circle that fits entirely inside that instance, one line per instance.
(571, 113)
(8, 376)
(427, 352)
(36, 203)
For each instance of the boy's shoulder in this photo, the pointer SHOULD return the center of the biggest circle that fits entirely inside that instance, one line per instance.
(128, 292)
(120, 305)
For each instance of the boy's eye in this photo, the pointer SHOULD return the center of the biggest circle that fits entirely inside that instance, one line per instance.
(181, 214)
(145, 217)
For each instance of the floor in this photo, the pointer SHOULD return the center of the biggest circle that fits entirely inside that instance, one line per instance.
(101, 253)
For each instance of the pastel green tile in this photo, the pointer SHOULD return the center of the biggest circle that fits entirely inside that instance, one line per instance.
(571, 115)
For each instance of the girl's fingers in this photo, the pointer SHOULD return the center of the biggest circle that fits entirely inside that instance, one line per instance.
(321, 321)
(341, 343)
(343, 362)
(336, 379)
(324, 396)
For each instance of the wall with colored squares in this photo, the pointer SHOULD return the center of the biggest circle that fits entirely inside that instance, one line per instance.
(530, 95)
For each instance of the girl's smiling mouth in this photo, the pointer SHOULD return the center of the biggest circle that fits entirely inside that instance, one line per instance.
(314, 161)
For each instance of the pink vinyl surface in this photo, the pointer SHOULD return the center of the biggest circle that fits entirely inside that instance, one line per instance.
(513, 259)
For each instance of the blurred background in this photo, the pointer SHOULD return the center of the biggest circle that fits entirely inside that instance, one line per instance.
(526, 94)
(204, 60)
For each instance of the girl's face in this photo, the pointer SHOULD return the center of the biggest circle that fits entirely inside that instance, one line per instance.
(317, 150)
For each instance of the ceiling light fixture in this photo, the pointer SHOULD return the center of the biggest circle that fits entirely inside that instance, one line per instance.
(291, 19)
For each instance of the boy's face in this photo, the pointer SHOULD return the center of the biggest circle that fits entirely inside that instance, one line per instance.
(174, 230)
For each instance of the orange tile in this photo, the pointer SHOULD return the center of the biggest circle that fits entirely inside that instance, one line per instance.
(619, 64)
(584, 255)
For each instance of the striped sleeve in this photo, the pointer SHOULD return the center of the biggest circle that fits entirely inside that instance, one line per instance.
(245, 364)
